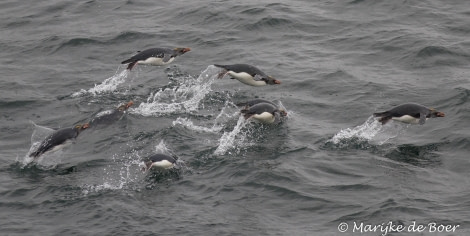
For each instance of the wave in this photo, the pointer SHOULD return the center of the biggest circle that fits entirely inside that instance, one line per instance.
(128, 36)
(78, 42)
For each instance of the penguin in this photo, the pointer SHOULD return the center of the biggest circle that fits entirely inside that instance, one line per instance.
(410, 113)
(247, 74)
(263, 113)
(110, 116)
(158, 161)
(255, 101)
(58, 139)
(155, 56)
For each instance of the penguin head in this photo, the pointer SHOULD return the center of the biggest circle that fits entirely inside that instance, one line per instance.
(181, 51)
(282, 112)
(126, 106)
(271, 80)
(434, 113)
(79, 128)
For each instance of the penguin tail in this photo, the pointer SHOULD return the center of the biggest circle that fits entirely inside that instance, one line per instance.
(221, 66)
(381, 114)
(384, 117)
(127, 61)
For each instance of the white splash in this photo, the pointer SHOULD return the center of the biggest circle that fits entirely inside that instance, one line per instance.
(232, 139)
(371, 130)
(217, 125)
(125, 171)
(108, 85)
(187, 123)
(122, 174)
(183, 98)
(39, 134)
(161, 147)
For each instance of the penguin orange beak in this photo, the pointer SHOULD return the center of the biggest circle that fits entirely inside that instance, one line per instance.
(86, 125)
(277, 81)
(440, 114)
(186, 50)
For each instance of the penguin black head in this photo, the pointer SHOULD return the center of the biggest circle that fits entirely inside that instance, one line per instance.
(434, 113)
(126, 106)
(271, 80)
(79, 128)
(181, 51)
(282, 112)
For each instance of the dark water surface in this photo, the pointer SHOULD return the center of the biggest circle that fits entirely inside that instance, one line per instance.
(328, 165)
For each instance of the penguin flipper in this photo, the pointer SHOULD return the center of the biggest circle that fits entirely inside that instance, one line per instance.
(422, 118)
(246, 112)
(166, 57)
(258, 77)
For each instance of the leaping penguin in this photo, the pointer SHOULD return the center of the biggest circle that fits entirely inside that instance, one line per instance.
(158, 161)
(108, 117)
(155, 56)
(264, 113)
(247, 74)
(58, 139)
(410, 113)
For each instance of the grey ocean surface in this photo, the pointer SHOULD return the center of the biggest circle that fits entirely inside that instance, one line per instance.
(329, 164)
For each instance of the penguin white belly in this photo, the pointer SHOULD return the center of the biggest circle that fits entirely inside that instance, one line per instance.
(264, 117)
(60, 146)
(162, 164)
(407, 119)
(246, 78)
(155, 61)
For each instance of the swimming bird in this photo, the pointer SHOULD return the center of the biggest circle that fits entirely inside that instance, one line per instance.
(158, 161)
(110, 116)
(410, 113)
(264, 113)
(247, 74)
(155, 56)
(58, 139)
